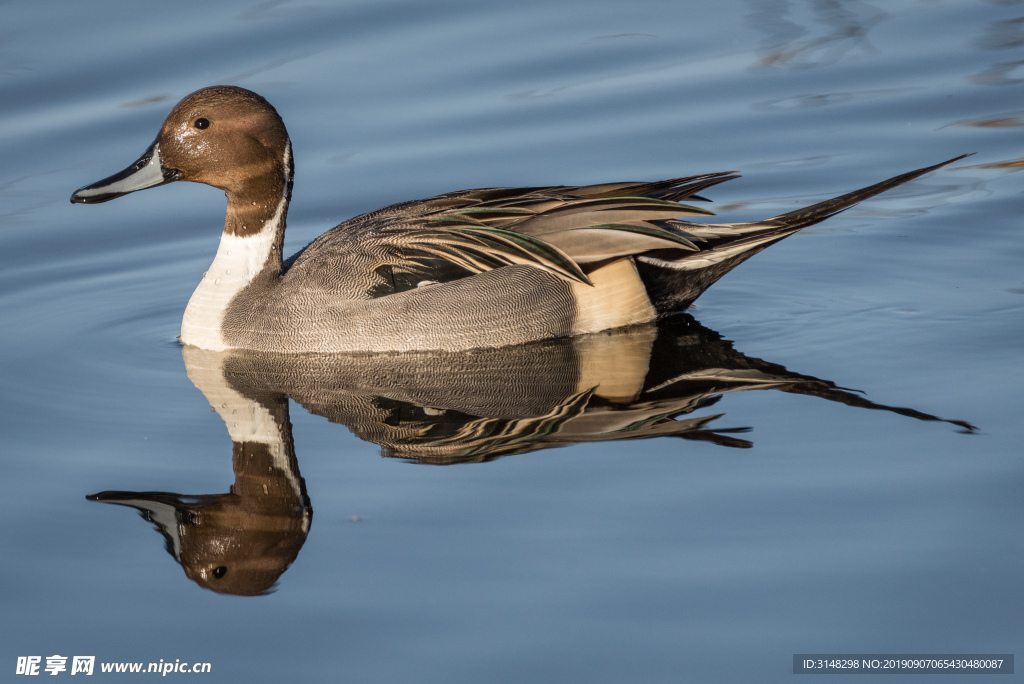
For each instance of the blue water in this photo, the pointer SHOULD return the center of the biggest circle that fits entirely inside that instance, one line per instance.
(841, 530)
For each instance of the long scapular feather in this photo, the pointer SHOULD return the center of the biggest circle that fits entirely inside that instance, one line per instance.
(638, 204)
(504, 246)
(615, 211)
(671, 189)
(606, 241)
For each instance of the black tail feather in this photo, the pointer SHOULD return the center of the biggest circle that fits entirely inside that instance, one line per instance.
(808, 216)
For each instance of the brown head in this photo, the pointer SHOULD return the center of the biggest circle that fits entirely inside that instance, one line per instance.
(224, 136)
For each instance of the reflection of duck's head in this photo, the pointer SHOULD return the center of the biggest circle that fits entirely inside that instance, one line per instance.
(239, 542)
(234, 543)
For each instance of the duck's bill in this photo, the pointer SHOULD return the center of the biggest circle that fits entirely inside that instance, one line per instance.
(147, 172)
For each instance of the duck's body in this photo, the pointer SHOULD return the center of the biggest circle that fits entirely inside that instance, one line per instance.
(476, 268)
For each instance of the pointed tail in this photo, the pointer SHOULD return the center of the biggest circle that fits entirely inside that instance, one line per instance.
(675, 279)
(808, 216)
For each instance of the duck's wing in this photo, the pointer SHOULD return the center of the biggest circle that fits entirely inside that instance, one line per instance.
(567, 231)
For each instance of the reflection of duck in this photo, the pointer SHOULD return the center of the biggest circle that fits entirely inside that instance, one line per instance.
(470, 269)
(450, 407)
(443, 408)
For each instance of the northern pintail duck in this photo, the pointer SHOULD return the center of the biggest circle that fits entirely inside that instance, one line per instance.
(475, 268)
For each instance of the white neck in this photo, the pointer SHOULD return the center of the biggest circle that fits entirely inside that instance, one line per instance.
(238, 261)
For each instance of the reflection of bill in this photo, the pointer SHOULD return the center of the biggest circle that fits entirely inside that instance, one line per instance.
(444, 408)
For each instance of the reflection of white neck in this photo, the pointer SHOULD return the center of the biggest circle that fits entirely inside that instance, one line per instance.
(246, 420)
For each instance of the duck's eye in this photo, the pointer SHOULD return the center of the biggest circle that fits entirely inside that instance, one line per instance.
(220, 570)
(202, 123)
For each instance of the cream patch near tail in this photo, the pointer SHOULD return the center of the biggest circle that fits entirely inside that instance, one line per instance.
(617, 298)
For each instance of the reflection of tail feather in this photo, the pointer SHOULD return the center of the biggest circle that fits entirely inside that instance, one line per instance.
(853, 398)
(720, 437)
(743, 379)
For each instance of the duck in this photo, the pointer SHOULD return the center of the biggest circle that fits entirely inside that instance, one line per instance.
(480, 268)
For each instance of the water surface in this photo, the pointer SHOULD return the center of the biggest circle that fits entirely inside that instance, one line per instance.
(827, 527)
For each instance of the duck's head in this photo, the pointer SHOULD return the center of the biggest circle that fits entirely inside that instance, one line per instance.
(224, 136)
